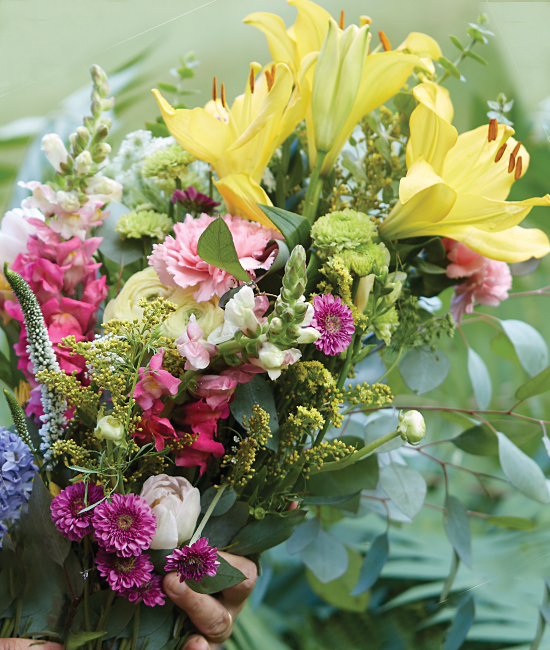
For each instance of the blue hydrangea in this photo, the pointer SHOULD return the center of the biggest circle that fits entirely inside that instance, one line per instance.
(17, 471)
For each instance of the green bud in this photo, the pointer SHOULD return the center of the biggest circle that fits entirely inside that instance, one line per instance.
(411, 427)
(259, 513)
(96, 107)
(110, 428)
(99, 77)
(107, 104)
(89, 124)
(101, 152)
(107, 121)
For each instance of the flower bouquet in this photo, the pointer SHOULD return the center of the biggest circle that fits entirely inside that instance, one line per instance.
(189, 370)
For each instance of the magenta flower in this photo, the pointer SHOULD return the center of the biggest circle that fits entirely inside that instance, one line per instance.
(149, 592)
(124, 572)
(178, 264)
(334, 320)
(66, 510)
(194, 562)
(154, 382)
(193, 346)
(125, 525)
(194, 201)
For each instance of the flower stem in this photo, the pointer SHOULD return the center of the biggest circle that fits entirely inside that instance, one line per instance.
(541, 626)
(314, 188)
(206, 517)
(136, 629)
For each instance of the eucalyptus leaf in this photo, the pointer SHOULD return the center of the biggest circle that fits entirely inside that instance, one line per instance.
(326, 557)
(478, 440)
(226, 576)
(216, 247)
(350, 163)
(294, 228)
(74, 641)
(423, 370)
(522, 471)
(257, 391)
(503, 347)
(112, 247)
(120, 614)
(372, 564)
(536, 386)
(462, 622)
(265, 533)
(303, 535)
(529, 345)
(480, 378)
(221, 530)
(362, 475)
(226, 501)
(511, 523)
(405, 486)
(449, 67)
(330, 500)
(457, 527)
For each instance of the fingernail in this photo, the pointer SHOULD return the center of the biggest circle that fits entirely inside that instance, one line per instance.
(175, 586)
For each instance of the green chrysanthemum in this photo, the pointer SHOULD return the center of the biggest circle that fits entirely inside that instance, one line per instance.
(385, 325)
(145, 223)
(169, 163)
(362, 259)
(344, 230)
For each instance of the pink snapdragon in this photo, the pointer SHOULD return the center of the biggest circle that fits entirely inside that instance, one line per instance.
(487, 281)
(203, 421)
(178, 264)
(153, 383)
(217, 390)
(155, 430)
(193, 346)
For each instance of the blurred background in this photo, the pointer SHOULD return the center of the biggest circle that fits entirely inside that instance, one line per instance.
(46, 49)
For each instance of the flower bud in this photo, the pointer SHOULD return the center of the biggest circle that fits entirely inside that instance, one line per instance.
(55, 151)
(101, 152)
(411, 427)
(83, 163)
(110, 428)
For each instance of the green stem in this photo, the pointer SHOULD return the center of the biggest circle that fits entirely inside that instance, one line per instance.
(7, 626)
(314, 188)
(461, 58)
(86, 566)
(391, 367)
(541, 626)
(357, 455)
(347, 365)
(136, 630)
(17, 615)
(206, 517)
(104, 616)
(450, 578)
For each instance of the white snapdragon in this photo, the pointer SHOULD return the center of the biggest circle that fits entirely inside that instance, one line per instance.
(55, 151)
(83, 163)
(239, 315)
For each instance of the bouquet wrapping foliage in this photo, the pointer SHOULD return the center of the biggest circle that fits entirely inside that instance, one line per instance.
(186, 363)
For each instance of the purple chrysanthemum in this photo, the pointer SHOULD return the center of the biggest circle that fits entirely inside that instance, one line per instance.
(125, 525)
(334, 320)
(124, 572)
(194, 562)
(66, 510)
(149, 592)
(195, 201)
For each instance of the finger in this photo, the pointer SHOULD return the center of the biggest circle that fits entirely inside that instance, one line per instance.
(233, 597)
(207, 614)
(196, 643)
(24, 644)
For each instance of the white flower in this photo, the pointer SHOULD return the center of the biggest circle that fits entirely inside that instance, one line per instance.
(68, 201)
(239, 315)
(176, 505)
(14, 233)
(55, 151)
(83, 163)
(101, 188)
(110, 428)
(273, 360)
(411, 427)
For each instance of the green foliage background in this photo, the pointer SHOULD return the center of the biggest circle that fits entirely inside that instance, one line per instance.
(46, 50)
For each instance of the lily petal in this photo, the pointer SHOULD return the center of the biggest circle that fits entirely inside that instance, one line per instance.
(281, 46)
(310, 28)
(425, 48)
(242, 195)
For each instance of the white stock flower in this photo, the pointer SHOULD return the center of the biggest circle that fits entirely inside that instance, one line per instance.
(176, 505)
(83, 163)
(55, 151)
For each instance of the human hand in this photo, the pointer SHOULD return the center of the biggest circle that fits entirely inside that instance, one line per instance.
(25, 644)
(213, 617)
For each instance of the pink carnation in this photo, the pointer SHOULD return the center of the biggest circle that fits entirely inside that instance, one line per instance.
(487, 281)
(178, 264)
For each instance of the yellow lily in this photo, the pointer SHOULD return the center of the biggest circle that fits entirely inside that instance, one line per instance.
(456, 186)
(380, 74)
(239, 141)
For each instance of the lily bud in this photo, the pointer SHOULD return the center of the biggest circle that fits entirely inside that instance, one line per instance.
(83, 163)
(55, 151)
(411, 427)
(110, 428)
(336, 81)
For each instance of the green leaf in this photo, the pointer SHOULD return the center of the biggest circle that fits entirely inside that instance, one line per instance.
(478, 440)
(462, 622)
(294, 228)
(326, 557)
(405, 486)
(529, 345)
(480, 378)
(350, 163)
(168, 88)
(423, 370)
(383, 147)
(362, 475)
(226, 576)
(216, 247)
(536, 386)
(457, 527)
(449, 67)
(457, 43)
(476, 57)
(265, 533)
(74, 641)
(155, 626)
(476, 34)
(226, 501)
(337, 592)
(303, 535)
(330, 500)
(428, 267)
(522, 471)
(112, 247)
(221, 530)
(120, 615)
(512, 523)
(257, 391)
(503, 347)
(372, 564)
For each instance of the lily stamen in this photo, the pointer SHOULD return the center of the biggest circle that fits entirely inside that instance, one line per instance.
(215, 89)
(519, 164)
(269, 79)
(511, 163)
(493, 130)
(385, 41)
(365, 20)
(516, 149)
(252, 80)
(223, 95)
(341, 24)
(500, 152)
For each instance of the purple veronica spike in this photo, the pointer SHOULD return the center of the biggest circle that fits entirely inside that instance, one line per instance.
(194, 562)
